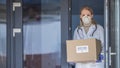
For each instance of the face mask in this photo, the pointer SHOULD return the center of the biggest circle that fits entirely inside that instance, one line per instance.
(86, 20)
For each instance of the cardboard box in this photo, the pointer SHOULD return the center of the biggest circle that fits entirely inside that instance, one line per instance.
(86, 50)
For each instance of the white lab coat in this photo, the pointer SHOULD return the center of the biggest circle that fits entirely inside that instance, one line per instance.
(98, 34)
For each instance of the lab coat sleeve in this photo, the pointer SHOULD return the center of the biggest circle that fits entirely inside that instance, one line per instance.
(102, 38)
(75, 36)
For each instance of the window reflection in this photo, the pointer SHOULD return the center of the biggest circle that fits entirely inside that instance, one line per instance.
(41, 33)
(32, 13)
(2, 33)
(2, 46)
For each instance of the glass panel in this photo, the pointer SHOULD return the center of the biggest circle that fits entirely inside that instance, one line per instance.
(2, 33)
(114, 33)
(42, 33)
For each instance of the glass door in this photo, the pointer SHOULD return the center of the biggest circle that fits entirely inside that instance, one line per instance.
(33, 29)
(41, 33)
(40, 29)
(3, 33)
(114, 34)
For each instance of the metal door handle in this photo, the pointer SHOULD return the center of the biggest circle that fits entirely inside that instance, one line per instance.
(111, 54)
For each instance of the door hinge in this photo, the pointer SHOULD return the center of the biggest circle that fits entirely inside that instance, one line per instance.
(16, 4)
(16, 30)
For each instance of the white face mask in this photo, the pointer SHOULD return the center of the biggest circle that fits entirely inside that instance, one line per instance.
(86, 20)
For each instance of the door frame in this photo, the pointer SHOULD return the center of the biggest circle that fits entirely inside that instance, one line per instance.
(10, 46)
(14, 43)
(106, 33)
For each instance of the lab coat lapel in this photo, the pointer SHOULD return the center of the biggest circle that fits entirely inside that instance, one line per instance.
(84, 33)
(89, 33)
(91, 30)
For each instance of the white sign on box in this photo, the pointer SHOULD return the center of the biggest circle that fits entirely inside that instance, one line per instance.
(82, 49)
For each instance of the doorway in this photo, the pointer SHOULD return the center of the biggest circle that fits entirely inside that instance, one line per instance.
(104, 14)
(41, 31)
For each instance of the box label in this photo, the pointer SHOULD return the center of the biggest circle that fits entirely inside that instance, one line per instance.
(82, 49)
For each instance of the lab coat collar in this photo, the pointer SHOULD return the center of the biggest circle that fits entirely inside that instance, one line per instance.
(90, 31)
